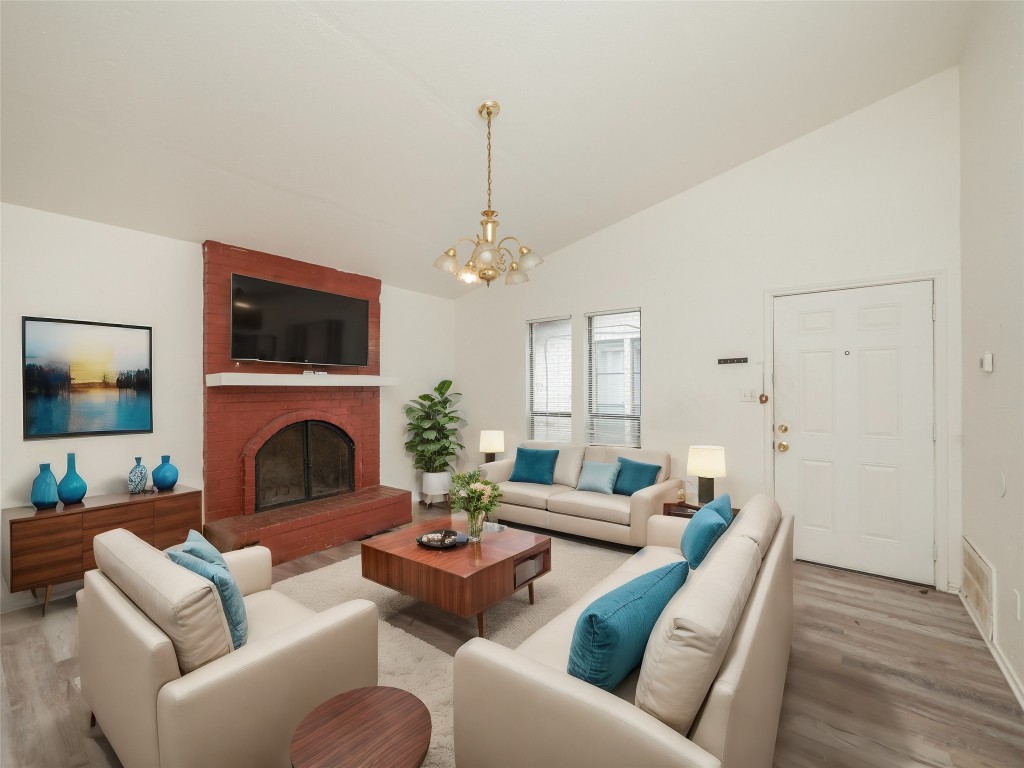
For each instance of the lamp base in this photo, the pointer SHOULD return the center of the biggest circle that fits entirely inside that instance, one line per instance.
(705, 490)
(488, 458)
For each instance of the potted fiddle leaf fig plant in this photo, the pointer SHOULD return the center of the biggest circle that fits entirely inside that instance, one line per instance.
(434, 436)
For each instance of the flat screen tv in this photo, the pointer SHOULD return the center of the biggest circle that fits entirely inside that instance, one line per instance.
(280, 323)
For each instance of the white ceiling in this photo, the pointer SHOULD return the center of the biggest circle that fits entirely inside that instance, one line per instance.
(346, 133)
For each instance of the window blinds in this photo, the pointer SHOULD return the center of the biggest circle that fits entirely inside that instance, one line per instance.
(613, 379)
(551, 380)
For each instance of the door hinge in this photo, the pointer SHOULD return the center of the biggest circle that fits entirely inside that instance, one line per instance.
(933, 313)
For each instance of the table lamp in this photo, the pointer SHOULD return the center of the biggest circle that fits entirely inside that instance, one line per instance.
(492, 441)
(706, 462)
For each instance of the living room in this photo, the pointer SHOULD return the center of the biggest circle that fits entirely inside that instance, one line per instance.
(693, 161)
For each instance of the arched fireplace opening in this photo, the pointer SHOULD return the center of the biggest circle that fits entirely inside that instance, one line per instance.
(304, 461)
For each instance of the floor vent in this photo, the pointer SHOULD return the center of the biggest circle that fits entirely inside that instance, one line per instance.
(977, 588)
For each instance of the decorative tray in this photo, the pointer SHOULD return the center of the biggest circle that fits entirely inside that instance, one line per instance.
(444, 538)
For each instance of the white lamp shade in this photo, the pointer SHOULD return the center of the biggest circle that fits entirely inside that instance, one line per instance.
(706, 461)
(492, 441)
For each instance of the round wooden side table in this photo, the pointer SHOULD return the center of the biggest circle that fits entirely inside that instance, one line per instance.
(378, 726)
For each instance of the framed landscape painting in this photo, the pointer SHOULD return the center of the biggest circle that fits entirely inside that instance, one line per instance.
(81, 378)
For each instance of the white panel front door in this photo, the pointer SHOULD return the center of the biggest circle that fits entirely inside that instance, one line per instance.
(854, 406)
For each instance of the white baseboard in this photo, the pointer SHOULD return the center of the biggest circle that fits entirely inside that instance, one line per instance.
(1011, 678)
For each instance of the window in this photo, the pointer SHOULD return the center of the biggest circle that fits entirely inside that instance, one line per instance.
(613, 383)
(551, 380)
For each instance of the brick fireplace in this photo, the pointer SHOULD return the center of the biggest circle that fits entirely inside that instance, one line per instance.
(239, 420)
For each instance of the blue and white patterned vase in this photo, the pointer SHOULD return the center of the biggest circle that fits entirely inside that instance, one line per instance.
(165, 475)
(72, 487)
(44, 489)
(137, 477)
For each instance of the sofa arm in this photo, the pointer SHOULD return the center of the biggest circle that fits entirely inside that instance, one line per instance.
(251, 568)
(243, 708)
(547, 717)
(666, 530)
(497, 471)
(646, 503)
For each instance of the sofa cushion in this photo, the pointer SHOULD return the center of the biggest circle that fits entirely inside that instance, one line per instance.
(693, 633)
(634, 476)
(598, 477)
(569, 463)
(661, 458)
(270, 612)
(593, 506)
(700, 535)
(534, 465)
(723, 506)
(611, 634)
(529, 494)
(183, 605)
(230, 595)
(758, 520)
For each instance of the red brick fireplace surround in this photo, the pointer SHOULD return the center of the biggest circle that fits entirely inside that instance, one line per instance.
(238, 420)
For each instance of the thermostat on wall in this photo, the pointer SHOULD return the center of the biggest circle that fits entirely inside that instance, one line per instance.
(985, 363)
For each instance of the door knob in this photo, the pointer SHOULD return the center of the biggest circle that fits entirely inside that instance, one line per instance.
(783, 428)
(783, 447)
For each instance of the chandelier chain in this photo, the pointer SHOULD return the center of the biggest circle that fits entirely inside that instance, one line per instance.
(488, 160)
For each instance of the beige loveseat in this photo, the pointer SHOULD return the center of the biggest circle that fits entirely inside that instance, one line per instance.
(708, 692)
(560, 507)
(161, 678)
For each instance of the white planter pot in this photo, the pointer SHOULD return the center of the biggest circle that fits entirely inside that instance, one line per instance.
(436, 483)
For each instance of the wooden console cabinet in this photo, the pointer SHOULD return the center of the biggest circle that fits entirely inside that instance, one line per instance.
(52, 546)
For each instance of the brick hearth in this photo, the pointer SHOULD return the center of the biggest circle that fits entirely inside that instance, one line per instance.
(238, 420)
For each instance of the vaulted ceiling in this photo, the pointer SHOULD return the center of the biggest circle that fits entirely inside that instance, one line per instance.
(346, 133)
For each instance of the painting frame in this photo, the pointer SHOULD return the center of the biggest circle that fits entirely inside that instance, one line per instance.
(82, 378)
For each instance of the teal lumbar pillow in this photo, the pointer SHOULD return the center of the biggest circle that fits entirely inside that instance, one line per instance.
(611, 634)
(701, 533)
(230, 595)
(598, 477)
(723, 506)
(197, 546)
(534, 465)
(634, 476)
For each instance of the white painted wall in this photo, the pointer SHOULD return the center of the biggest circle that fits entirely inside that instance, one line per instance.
(992, 211)
(56, 266)
(417, 344)
(873, 195)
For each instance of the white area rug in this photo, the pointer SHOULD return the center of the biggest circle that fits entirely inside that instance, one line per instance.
(411, 664)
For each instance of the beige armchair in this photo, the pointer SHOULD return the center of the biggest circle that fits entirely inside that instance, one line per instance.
(161, 679)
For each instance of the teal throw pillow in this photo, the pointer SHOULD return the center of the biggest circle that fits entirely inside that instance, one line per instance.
(701, 533)
(534, 465)
(197, 546)
(611, 634)
(634, 476)
(598, 477)
(227, 588)
(723, 506)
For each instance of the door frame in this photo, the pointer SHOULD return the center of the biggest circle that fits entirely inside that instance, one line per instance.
(946, 483)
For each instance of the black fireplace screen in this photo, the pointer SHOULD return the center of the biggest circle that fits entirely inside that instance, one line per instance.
(303, 461)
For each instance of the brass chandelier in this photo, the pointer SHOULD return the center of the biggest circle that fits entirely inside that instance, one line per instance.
(489, 258)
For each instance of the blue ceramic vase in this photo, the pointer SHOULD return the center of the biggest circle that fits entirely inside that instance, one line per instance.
(72, 487)
(44, 489)
(137, 477)
(165, 475)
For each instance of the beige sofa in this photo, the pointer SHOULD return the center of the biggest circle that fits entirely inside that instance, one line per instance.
(161, 678)
(560, 507)
(708, 692)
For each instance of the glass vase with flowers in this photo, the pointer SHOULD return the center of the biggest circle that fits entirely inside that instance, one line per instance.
(477, 497)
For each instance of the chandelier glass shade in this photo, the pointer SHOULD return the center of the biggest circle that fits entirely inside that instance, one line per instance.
(490, 256)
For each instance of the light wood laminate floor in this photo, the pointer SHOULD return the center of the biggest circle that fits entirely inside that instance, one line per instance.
(882, 674)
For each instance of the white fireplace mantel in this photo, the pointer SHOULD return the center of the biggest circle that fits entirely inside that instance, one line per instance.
(296, 380)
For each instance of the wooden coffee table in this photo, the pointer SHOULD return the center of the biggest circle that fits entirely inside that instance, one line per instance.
(378, 726)
(464, 580)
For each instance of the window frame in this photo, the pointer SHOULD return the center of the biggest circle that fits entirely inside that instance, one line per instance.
(632, 384)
